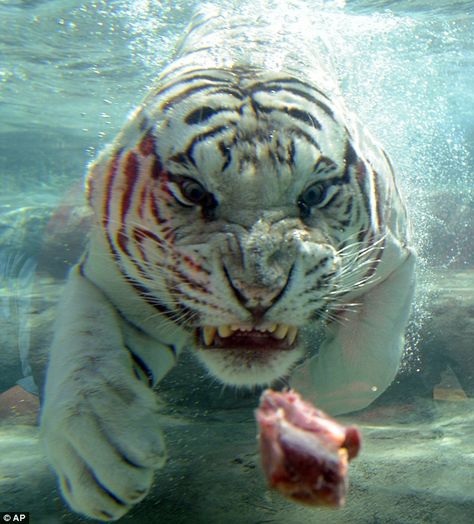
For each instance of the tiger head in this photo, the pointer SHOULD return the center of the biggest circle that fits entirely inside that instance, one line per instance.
(239, 201)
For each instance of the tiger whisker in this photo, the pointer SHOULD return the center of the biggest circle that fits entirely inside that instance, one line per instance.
(361, 242)
(327, 316)
(350, 286)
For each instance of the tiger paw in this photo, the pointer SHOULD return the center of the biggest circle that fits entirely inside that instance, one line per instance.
(104, 442)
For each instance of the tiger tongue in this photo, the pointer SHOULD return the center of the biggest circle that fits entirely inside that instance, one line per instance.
(254, 340)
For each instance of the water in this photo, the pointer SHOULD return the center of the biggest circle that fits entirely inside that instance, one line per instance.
(71, 71)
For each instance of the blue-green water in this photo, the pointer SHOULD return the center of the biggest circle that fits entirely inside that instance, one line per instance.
(70, 72)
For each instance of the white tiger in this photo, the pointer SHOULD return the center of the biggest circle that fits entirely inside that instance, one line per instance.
(240, 207)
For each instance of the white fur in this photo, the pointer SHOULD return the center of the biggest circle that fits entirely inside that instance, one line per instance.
(360, 355)
(100, 422)
(95, 406)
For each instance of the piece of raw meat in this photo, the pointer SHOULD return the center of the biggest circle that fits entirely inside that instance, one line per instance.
(304, 452)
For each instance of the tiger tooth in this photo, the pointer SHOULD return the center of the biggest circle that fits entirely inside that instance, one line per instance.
(208, 333)
(224, 331)
(271, 327)
(292, 332)
(281, 331)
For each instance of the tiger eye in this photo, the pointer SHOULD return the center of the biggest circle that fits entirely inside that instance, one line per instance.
(193, 191)
(313, 195)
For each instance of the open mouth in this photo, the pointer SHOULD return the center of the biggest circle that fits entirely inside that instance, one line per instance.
(268, 337)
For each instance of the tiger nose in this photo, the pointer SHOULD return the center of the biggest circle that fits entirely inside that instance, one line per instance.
(256, 299)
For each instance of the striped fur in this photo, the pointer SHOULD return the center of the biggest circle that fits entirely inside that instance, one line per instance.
(254, 140)
(241, 209)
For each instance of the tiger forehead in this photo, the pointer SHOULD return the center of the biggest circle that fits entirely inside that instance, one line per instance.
(211, 123)
(248, 173)
(211, 99)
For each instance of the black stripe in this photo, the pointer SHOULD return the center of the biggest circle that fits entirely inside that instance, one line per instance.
(315, 268)
(228, 90)
(303, 116)
(361, 181)
(144, 293)
(277, 157)
(291, 152)
(148, 297)
(350, 156)
(106, 491)
(115, 447)
(271, 88)
(321, 284)
(350, 203)
(328, 203)
(260, 108)
(141, 364)
(156, 168)
(297, 131)
(192, 299)
(174, 73)
(226, 153)
(190, 77)
(298, 83)
(378, 198)
(186, 93)
(67, 484)
(203, 114)
(106, 514)
(82, 264)
(201, 137)
(179, 158)
(139, 288)
(302, 134)
(345, 223)
(144, 125)
(350, 160)
(324, 165)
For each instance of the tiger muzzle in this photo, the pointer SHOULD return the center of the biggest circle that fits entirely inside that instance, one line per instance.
(259, 270)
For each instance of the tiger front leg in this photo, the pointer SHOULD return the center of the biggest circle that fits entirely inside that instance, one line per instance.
(99, 423)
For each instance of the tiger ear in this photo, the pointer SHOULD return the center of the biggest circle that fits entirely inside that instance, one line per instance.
(96, 174)
(134, 136)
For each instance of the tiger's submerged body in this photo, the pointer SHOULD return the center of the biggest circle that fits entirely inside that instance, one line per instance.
(240, 207)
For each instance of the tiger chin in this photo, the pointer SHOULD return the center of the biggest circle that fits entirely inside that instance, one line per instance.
(241, 210)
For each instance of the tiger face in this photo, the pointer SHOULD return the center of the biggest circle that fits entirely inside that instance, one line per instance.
(242, 206)
(244, 213)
